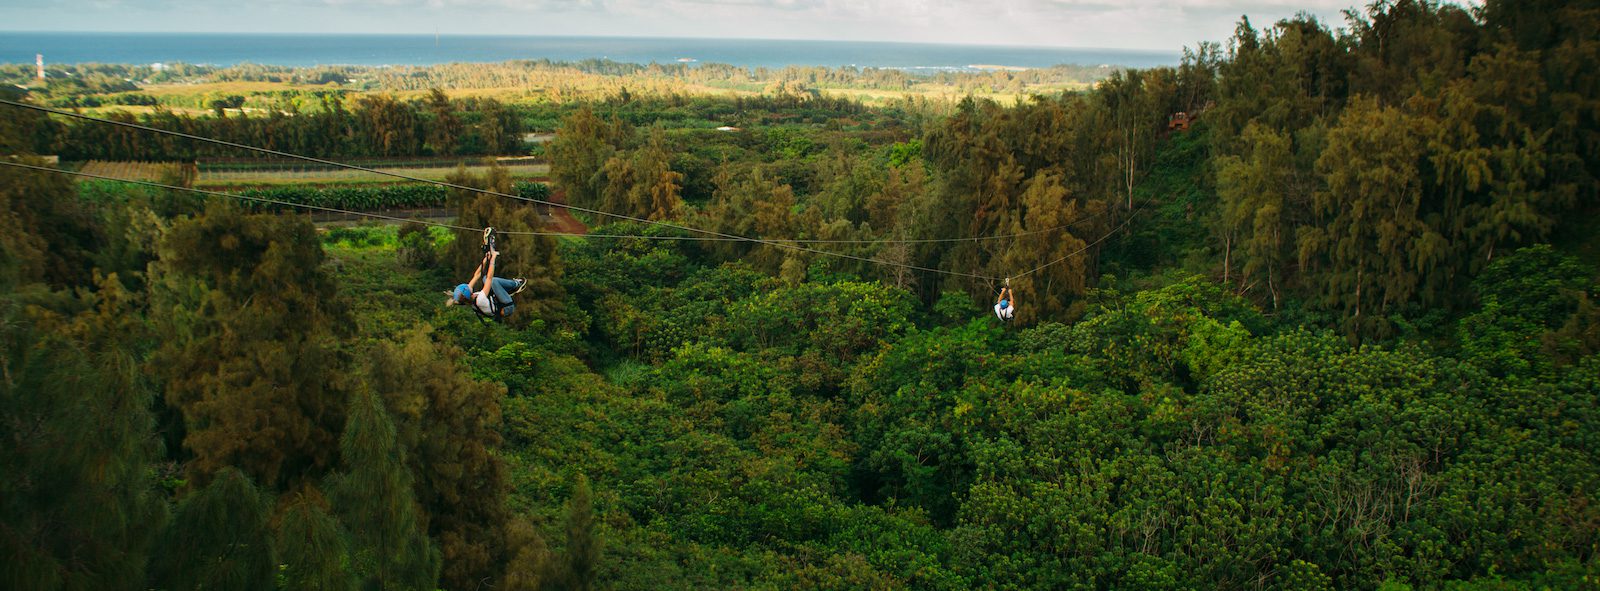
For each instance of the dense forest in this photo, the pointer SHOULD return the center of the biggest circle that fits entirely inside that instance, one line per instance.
(1340, 333)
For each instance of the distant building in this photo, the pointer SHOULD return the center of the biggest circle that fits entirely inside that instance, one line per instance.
(727, 128)
(1179, 121)
(38, 58)
(159, 67)
(51, 159)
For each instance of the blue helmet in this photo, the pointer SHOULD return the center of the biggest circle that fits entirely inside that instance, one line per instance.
(462, 292)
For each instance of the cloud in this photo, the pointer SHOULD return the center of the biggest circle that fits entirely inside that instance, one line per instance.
(1141, 24)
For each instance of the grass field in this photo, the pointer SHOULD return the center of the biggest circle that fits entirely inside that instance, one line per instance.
(220, 88)
(258, 178)
(141, 110)
(872, 96)
(135, 171)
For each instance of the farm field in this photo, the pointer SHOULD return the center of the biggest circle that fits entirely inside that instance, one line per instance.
(228, 87)
(323, 177)
(132, 170)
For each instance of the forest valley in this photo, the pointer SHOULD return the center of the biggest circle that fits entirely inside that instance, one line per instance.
(1340, 333)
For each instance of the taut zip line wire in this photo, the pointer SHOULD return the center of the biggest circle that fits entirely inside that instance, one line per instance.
(782, 243)
(534, 233)
(718, 235)
(452, 226)
(1103, 238)
(476, 190)
(234, 195)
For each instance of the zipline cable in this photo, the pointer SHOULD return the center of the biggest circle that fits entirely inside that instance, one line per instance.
(721, 235)
(381, 172)
(530, 233)
(1086, 247)
(476, 190)
(442, 225)
(233, 195)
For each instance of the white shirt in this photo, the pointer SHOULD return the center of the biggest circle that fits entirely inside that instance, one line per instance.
(482, 303)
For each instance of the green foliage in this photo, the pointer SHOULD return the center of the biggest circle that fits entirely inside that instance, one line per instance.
(248, 322)
(583, 541)
(580, 152)
(447, 423)
(954, 307)
(323, 123)
(373, 236)
(906, 407)
(1537, 282)
(823, 327)
(418, 245)
(390, 548)
(80, 507)
(218, 539)
(903, 152)
(1536, 311)
(379, 198)
(313, 549)
(46, 234)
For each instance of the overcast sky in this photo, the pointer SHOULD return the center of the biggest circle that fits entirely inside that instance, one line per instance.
(1131, 24)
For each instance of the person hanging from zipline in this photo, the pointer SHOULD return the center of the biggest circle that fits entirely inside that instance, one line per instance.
(493, 301)
(1006, 305)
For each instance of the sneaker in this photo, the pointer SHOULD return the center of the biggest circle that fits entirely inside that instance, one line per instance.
(521, 283)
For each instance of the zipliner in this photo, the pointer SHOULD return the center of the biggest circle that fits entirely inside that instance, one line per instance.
(493, 301)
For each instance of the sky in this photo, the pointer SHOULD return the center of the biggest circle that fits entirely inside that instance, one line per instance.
(1123, 24)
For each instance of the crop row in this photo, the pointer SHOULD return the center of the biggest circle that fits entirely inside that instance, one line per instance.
(373, 198)
(293, 166)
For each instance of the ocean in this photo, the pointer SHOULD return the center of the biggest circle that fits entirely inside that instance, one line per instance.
(378, 50)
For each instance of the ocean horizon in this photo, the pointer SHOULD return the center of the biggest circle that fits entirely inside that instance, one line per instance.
(301, 50)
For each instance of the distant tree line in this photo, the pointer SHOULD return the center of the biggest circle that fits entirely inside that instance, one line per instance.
(369, 125)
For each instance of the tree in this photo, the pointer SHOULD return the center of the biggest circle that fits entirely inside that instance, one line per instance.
(313, 548)
(374, 499)
(646, 185)
(218, 539)
(26, 131)
(1061, 259)
(499, 127)
(388, 126)
(1491, 165)
(755, 205)
(246, 316)
(47, 234)
(445, 131)
(448, 424)
(583, 542)
(530, 563)
(1254, 194)
(1371, 250)
(1135, 110)
(580, 152)
(81, 508)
